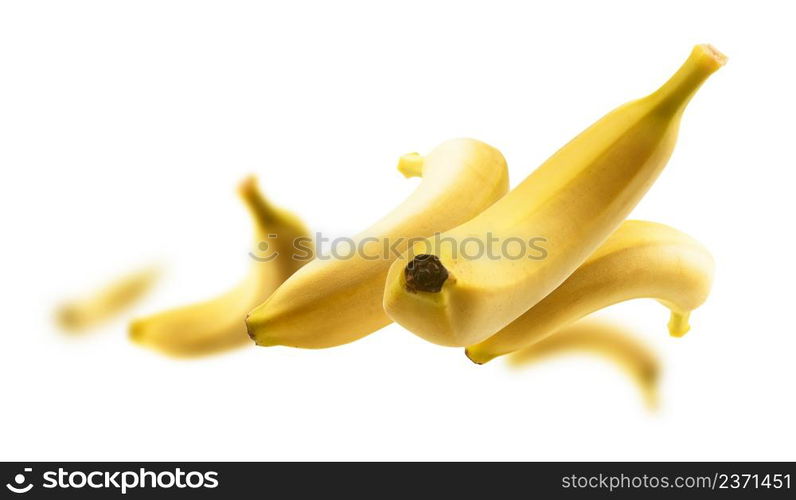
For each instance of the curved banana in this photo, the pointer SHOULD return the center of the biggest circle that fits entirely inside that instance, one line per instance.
(336, 301)
(562, 212)
(604, 339)
(640, 260)
(81, 314)
(219, 324)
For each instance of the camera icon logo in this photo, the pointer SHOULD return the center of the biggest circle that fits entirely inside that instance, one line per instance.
(19, 483)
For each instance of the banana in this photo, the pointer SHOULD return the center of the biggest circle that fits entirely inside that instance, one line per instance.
(639, 260)
(453, 291)
(219, 324)
(335, 301)
(81, 314)
(605, 339)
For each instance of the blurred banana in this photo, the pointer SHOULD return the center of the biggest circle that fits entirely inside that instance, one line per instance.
(219, 324)
(81, 314)
(604, 339)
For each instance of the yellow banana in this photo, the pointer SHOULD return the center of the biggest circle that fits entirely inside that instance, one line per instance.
(605, 339)
(336, 301)
(219, 324)
(640, 260)
(84, 313)
(563, 211)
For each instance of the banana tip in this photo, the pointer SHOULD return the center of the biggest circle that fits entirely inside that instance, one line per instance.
(68, 318)
(250, 329)
(136, 332)
(255, 332)
(476, 358)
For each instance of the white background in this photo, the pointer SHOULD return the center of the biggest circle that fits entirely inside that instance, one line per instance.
(125, 127)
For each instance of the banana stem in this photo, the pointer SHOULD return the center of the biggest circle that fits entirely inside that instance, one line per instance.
(681, 87)
(678, 323)
(260, 208)
(411, 165)
(425, 273)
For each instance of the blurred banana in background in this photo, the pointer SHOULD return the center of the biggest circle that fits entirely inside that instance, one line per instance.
(81, 314)
(605, 339)
(219, 324)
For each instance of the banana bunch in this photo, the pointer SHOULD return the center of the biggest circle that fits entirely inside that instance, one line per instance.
(567, 207)
(439, 263)
(570, 211)
(579, 254)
